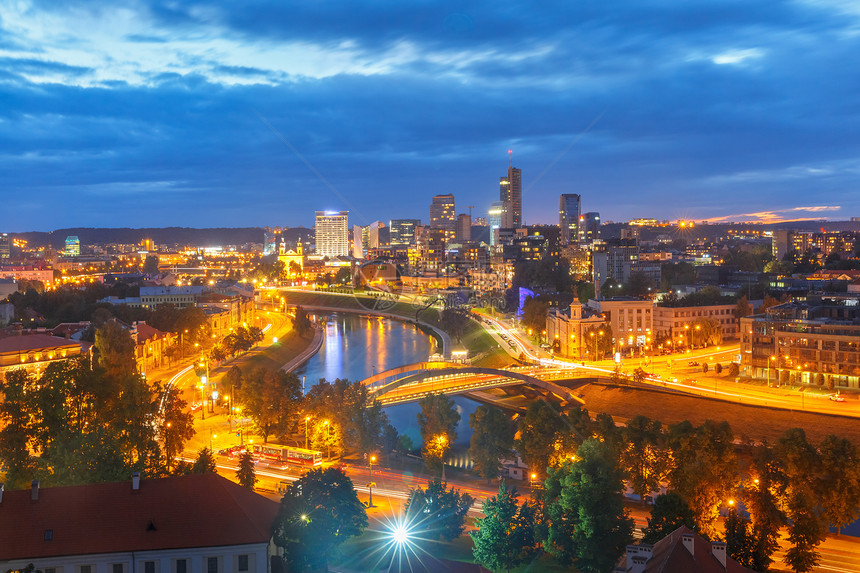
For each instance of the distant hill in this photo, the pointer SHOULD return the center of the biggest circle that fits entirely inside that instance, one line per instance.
(179, 236)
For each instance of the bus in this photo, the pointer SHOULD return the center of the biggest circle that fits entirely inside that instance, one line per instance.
(288, 455)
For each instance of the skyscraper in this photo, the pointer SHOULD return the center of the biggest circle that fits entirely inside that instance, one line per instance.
(403, 231)
(73, 246)
(589, 227)
(442, 215)
(332, 233)
(5, 246)
(511, 194)
(568, 217)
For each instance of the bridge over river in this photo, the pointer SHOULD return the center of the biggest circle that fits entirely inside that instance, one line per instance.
(414, 381)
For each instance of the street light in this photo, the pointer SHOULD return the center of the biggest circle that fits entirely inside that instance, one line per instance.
(370, 485)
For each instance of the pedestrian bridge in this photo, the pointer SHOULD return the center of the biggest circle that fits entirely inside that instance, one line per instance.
(415, 381)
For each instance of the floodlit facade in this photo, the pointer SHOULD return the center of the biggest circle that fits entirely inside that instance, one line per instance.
(73, 246)
(332, 233)
(442, 215)
(403, 231)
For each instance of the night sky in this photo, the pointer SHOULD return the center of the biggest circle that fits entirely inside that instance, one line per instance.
(246, 113)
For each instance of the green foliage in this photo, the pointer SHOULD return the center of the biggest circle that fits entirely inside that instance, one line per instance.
(677, 274)
(205, 462)
(301, 322)
(437, 422)
(598, 341)
(839, 475)
(177, 427)
(534, 315)
(318, 513)
(740, 543)
(762, 497)
(670, 512)
(492, 440)
(547, 274)
(438, 512)
(644, 456)
(150, 265)
(16, 431)
(542, 433)
(586, 521)
(705, 469)
(454, 322)
(708, 296)
(639, 285)
(359, 420)
(742, 309)
(115, 350)
(273, 400)
(245, 474)
(505, 536)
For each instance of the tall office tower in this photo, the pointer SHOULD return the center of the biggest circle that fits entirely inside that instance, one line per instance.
(568, 217)
(442, 215)
(332, 233)
(511, 194)
(463, 231)
(495, 216)
(376, 235)
(73, 246)
(589, 227)
(403, 231)
(5, 246)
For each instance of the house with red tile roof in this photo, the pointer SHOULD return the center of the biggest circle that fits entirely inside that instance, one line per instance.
(179, 524)
(34, 352)
(682, 551)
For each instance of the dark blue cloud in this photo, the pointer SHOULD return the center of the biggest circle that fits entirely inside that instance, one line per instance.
(676, 132)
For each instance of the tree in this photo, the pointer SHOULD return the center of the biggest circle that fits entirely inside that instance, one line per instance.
(150, 265)
(505, 536)
(115, 349)
(740, 543)
(205, 462)
(535, 311)
(273, 400)
(347, 405)
(492, 440)
(539, 429)
(840, 481)
(639, 285)
(799, 462)
(762, 495)
(670, 512)
(704, 471)
(454, 321)
(587, 523)
(246, 475)
(301, 322)
(318, 513)
(644, 456)
(16, 433)
(177, 426)
(742, 309)
(598, 341)
(437, 511)
(437, 422)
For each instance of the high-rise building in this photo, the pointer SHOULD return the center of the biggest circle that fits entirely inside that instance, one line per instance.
(511, 194)
(495, 216)
(403, 231)
(568, 217)
(442, 215)
(73, 246)
(589, 227)
(5, 246)
(358, 242)
(332, 233)
(463, 230)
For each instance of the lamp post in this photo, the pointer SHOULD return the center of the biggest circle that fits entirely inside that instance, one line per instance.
(370, 485)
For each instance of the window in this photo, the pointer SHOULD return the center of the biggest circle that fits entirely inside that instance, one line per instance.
(181, 566)
(116, 568)
(149, 567)
(86, 569)
(243, 563)
(50, 570)
(211, 565)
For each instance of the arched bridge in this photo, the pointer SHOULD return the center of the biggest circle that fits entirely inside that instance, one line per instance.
(415, 381)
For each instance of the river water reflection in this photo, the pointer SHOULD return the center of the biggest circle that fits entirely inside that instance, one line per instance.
(357, 347)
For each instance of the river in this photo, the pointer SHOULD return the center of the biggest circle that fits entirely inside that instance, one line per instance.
(357, 347)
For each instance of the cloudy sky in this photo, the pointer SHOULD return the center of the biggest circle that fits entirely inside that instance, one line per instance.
(253, 112)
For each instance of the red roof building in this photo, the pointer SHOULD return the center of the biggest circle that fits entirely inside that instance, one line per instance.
(175, 524)
(682, 551)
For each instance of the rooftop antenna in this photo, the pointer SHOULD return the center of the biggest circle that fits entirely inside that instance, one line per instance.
(470, 207)
(510, 158)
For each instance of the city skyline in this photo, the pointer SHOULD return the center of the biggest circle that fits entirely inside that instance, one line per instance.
(251, 116)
